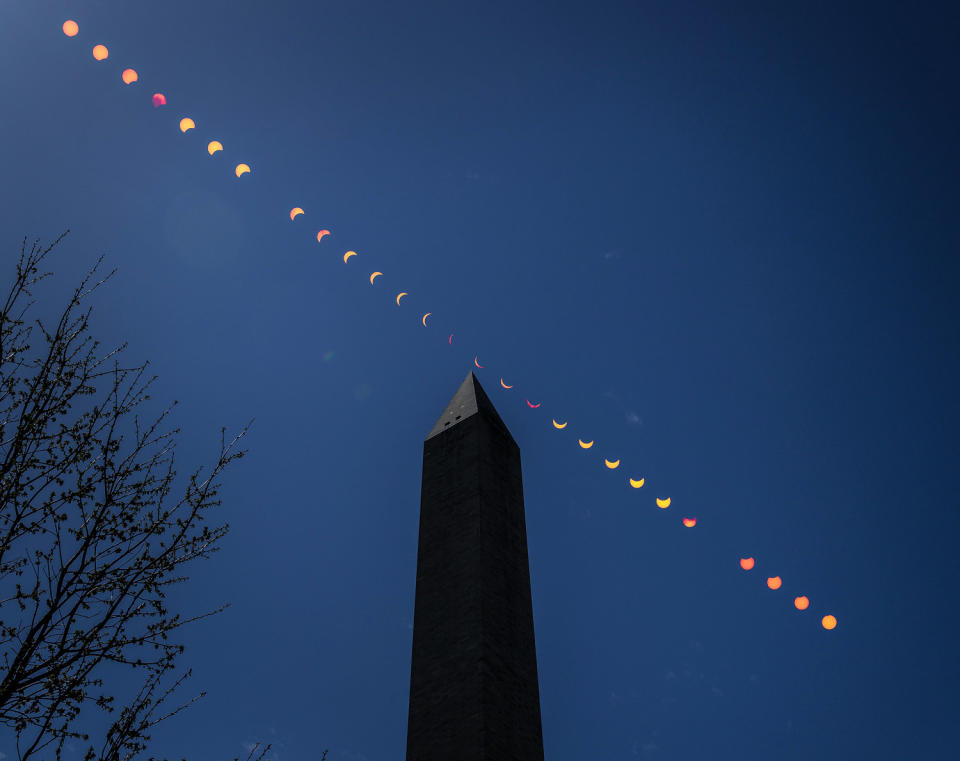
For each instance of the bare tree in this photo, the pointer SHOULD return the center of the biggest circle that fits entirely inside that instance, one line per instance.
(89, 537)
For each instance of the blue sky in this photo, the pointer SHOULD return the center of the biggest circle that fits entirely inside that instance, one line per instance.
(720, 240)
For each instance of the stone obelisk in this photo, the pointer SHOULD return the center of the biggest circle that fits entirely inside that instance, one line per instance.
(474, 694)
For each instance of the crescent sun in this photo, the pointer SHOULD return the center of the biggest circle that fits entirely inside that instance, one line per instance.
(213, 146)
(532, 405)
(663, 502)
(636, 484)
(504, 384)
(348, 255)
(559, 425)
(424, 320)
(477, 363)
(294, 212)
(611, 463)
(400, 296)
(585, 444)
(374, 276)
(321, 234)
(450, 340)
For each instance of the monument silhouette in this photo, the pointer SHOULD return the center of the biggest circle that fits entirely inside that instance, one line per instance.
(474, 694)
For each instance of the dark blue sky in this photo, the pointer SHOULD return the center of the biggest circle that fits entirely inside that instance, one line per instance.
(719, 240)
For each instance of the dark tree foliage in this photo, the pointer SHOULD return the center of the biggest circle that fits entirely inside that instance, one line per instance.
(90, 536)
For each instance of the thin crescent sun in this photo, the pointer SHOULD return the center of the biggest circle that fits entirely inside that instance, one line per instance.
(689, 522)
(321, 234)
(374, 276)
(424, 320)
(533, 406)
(636, 484)
(450, 340)
(400, 296)
(477, 363)
(348, 255)
(611, 463)
(558, 425)
(294, 212)
(504, 384)
(585, 444)
(663, 502)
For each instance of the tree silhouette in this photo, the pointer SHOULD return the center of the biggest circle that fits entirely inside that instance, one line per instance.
(90, 538)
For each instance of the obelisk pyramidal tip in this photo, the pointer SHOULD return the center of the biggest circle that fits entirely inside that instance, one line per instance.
(474, 693)
(469, 400)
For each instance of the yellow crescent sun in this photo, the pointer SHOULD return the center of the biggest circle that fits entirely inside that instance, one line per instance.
(213, 146)
(611, 463)
(242, 169)
(400, 296)
(348, 255)
(504, 384)
(294, 212)
(663, 502)
(186, 123)
(559, 425)
(585, 444)
(424, 320)
(374, 276)
(637, 484)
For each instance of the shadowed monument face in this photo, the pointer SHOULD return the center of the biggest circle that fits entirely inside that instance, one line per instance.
(473, 678)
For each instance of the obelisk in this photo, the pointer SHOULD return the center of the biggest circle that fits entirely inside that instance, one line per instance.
(474, 694)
